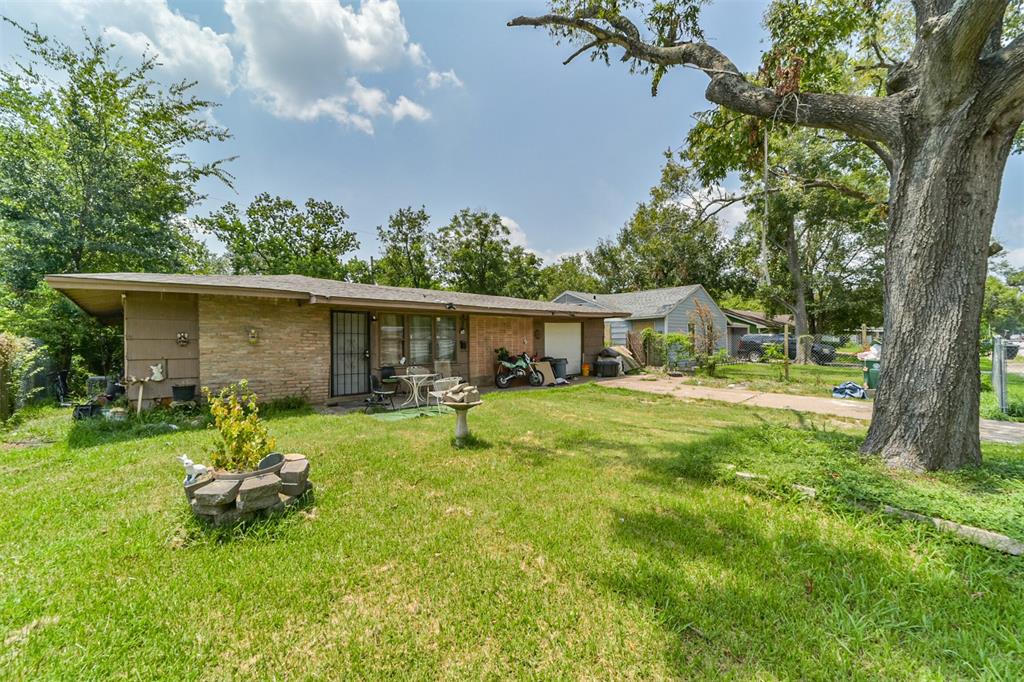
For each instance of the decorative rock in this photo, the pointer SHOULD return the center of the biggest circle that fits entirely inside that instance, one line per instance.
(295, 471)
(258, 503)
(292, 456)
(277, 508)
(257, 487)
(208, 509)
(218, 492)
(292, 491)
(191, 488)
(270, 460)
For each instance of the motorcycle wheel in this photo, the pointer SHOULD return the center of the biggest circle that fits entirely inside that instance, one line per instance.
(536, 379)
(502, 380)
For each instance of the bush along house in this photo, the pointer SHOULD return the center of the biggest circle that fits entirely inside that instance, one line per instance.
(291, 335)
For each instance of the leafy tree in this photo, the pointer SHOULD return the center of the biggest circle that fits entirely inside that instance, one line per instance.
(1003, 311)
(569, 273)
(816, 231)
(93, 172)
(474, 254)
(668, 242)
(406, 259)
(942, 115)
(274, 237)
(94, 176)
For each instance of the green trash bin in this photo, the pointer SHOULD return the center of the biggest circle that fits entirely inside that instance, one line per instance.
(872, 373)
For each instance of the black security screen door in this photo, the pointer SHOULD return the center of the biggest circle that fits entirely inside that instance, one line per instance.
(350, 353)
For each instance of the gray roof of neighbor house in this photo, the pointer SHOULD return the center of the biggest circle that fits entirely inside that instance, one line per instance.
(759, 318)
(640, 305)
(100, 293)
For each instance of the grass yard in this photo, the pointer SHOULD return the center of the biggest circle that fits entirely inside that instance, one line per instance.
(588, 532)
(818, 380)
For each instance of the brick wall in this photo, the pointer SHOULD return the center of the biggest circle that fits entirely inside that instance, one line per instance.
(292, 355)
(487, 332)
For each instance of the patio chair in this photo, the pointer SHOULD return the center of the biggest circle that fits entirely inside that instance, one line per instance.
(379, 395)
(440, 387)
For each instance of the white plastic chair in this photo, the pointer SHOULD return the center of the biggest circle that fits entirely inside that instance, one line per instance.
(440, 387)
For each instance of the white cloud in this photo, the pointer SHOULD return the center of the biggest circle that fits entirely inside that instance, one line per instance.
(439, 79)
(301, 57)
(185, 49)
(516, 234)
(406, 108)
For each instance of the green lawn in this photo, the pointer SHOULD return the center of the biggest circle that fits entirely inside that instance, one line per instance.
(588, 532)
(818, 380)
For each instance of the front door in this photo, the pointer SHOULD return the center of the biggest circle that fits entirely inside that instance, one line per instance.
(350, 353)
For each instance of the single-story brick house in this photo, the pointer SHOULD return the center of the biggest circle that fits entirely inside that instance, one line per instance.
(666, 310)
(293, 335)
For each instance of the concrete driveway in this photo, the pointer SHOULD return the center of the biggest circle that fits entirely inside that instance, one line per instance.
(994, 431)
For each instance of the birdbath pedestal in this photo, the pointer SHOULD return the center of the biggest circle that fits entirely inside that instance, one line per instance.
(461, 425)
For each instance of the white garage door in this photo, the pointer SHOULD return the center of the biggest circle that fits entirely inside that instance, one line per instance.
(565, 340)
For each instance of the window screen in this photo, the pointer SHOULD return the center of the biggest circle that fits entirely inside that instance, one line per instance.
(392, 339)
(421, 339)
(445, 338)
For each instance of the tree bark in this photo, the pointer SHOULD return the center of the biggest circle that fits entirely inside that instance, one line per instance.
(945, 192)
(799, 295)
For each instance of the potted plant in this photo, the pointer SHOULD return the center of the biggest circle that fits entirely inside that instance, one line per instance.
(244, 448)
(118, 411)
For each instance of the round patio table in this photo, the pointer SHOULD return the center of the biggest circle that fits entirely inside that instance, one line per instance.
(416, 384)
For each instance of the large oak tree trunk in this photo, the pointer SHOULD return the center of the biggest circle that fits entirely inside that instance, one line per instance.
(945, 192)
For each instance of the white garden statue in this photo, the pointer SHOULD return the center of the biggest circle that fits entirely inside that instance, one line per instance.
(192, 470)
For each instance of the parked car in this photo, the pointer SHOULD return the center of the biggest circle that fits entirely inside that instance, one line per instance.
(752, 348)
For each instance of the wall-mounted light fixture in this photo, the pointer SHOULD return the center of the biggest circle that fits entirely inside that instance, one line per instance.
(373, 317)
(450, 306)
(254, 336)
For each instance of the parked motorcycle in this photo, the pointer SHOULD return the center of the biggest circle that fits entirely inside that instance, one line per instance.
(515, 367)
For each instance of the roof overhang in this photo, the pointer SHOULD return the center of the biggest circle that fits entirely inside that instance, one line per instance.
(102, 298)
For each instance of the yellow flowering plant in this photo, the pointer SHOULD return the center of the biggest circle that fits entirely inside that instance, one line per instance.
(243, 440)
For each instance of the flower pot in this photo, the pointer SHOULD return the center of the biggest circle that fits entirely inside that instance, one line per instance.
(242, 475)
(183, 394)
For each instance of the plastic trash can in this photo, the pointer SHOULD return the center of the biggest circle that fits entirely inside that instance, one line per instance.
(872, 373)
(559, 366)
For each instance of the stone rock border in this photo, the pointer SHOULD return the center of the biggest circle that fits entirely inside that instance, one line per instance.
(979, 536)
(227, 501)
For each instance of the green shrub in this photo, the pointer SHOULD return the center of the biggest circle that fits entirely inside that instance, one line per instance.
(243, 438)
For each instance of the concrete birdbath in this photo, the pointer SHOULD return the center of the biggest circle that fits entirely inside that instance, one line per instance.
(461, 424)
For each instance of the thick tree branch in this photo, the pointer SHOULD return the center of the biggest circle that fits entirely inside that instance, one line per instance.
(865, 117)
(881, 152)
(954, 41)
(1006, 72)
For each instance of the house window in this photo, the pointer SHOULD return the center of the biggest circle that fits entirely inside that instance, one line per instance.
(392, 339)
(421, 339)
(446, 338)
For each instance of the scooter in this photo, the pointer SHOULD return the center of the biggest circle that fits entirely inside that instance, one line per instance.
(515, 367)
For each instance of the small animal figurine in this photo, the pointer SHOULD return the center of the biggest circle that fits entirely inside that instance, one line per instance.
(157, 372)
(192, 470)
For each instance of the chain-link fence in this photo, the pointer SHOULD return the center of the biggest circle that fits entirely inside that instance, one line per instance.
(838, 349)
(683, 350)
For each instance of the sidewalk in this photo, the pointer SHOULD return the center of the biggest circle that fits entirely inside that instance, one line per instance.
(997, 432)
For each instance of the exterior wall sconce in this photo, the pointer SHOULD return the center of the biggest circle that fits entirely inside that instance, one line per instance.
(254, 336)
(182, 338)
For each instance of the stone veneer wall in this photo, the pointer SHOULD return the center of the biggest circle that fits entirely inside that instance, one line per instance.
(292, 355)
(487, 332)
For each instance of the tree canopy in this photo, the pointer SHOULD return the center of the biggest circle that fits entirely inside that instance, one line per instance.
(275, 237)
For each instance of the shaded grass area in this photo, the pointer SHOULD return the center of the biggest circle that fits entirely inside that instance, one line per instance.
(585, 532)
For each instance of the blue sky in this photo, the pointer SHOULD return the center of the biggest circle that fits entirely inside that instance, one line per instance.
(383, 104)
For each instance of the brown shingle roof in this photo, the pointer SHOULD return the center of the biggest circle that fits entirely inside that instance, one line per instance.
(316, 291)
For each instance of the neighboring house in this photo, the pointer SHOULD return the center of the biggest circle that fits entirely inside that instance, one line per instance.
(292, 335)
(743, 322)
(664, 310)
